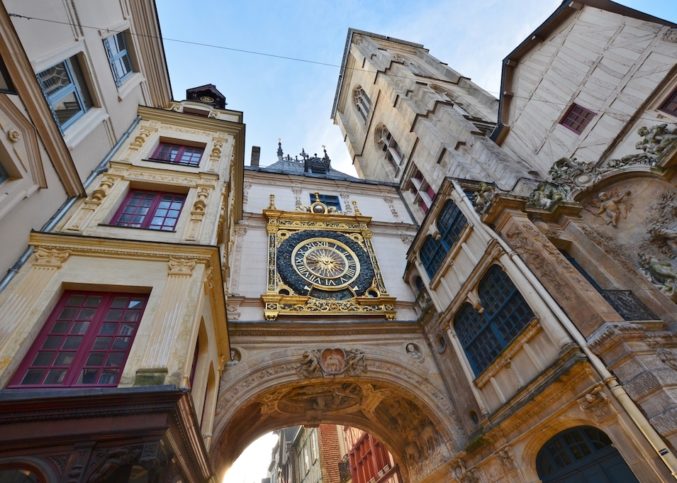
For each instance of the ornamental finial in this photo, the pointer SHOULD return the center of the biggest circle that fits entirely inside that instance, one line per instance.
(271, 203)
(280, 153)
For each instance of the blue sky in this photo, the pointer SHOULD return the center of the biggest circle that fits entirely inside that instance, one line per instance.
(292, 100)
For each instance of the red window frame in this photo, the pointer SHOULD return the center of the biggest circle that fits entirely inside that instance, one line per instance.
(576, 118)
(178, 154)
(84, 343)
(150, 210)
(669, 105)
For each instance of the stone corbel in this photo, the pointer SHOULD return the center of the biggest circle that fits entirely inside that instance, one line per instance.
(140, 139)
(86, 210)
(596, 403)
(197, 211)
(180, 267)
(49, 258)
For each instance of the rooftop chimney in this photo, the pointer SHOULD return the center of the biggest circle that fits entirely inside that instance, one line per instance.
(256, 155)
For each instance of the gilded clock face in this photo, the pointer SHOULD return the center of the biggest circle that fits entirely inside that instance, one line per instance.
(324, 264)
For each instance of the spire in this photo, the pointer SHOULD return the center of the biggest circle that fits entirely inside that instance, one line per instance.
(280, 153)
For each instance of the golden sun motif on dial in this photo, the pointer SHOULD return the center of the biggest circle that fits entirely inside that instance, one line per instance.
(326, 263)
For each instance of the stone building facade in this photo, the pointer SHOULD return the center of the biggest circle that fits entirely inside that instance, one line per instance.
(493, 298)
(543, 263)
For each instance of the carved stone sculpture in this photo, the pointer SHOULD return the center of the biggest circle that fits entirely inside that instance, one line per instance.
(612, 206)
(570, 175)
(332, 362)
(484, 197)
(662, 274)
(658, 139)
(547, 195)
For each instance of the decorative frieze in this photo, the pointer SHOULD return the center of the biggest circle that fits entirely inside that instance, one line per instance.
(332, 362)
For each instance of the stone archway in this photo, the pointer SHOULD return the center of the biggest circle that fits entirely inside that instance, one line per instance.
(374, 390)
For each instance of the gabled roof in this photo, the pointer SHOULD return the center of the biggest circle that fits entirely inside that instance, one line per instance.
(559, 16)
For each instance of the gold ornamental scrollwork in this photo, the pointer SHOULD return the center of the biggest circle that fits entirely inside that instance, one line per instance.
(282, 299)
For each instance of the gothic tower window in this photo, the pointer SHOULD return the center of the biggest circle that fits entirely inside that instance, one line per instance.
(362, 103)
(484, 335)
(389, 146)
(423, 193)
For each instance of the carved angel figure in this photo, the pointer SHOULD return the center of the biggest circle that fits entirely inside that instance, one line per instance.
(611, 207)
(310, 364)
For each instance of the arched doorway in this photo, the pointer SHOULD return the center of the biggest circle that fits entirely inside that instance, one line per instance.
(582, 454)
(409, 414)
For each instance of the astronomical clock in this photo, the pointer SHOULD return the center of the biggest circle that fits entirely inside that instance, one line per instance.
(321, 262)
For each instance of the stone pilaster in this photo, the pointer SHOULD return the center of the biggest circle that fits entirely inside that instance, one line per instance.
(172, 312)
(18, 309)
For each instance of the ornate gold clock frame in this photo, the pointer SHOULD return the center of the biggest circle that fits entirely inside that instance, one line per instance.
(321, 262)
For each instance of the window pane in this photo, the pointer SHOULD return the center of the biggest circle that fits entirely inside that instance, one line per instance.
(54, 78)
(80, 355)
(66, 108)
(3, 174)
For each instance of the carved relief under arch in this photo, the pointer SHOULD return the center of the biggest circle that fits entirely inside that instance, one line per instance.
(405, 410)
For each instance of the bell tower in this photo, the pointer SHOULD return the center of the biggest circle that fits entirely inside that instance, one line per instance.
(409, 118)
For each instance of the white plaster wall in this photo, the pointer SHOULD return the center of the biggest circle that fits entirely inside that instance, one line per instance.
(48, 43)
(600, 60)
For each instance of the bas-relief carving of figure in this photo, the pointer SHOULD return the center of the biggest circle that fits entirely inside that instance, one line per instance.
(612, 206)
(332, 362)
(661, 274)
(310, 364)
(414, 352)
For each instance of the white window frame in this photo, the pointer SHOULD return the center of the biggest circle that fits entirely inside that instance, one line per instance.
(116, 55)
(76, 86)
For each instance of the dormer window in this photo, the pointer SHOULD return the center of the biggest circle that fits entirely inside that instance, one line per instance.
(330, 201)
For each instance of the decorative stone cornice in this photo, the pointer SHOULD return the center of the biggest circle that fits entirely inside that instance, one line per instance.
(568, 177)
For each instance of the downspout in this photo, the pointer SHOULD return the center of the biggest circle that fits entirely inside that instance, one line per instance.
(63, 209)
(637, 417)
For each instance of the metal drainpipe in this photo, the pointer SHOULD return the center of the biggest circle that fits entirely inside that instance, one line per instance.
(609, 379)
(56, 217)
